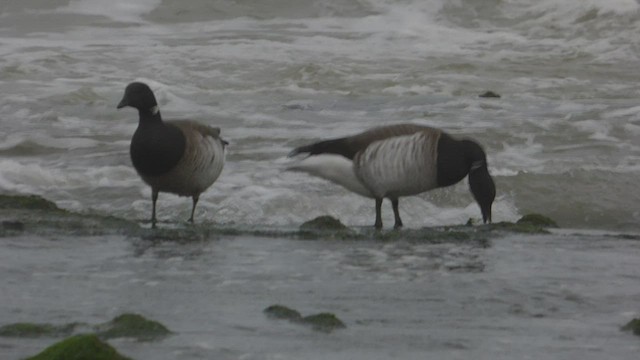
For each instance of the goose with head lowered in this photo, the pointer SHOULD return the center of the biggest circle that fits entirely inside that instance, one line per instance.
(399, 160)
(181, 157)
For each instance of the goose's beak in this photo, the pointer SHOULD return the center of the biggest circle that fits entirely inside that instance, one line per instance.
(123, 103)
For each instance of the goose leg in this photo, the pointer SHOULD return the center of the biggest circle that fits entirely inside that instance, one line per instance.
(378, 224)
(154, 198)
(396, 214)
(195, 199)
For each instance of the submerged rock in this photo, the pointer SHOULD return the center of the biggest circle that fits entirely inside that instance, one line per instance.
(632, 326)
(16, 226)
(32, 330)
(132, 326)
(125, 325)
(325, 322)
(282, 312)
(79, 347)
(489, 94)
(522, 228)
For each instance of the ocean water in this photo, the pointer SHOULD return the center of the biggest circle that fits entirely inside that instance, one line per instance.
(563, 140)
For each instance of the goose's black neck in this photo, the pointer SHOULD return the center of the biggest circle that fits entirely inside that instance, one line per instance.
(156, 147)
(455, 159)
(149, 116)
(459, 158)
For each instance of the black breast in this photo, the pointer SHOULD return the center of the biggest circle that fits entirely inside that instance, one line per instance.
(453, 164)
(156, 148)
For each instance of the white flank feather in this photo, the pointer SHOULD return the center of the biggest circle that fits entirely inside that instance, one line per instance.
(335, 168)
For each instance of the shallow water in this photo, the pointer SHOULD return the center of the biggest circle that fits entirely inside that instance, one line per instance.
(556, 296)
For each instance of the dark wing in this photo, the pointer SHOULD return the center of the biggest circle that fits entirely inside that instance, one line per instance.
(351, 145)
(203, 129)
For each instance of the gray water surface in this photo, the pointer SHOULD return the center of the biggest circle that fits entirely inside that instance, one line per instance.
(556, 296)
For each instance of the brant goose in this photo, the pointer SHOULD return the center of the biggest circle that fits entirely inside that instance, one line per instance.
(399, 160)
(181, 157)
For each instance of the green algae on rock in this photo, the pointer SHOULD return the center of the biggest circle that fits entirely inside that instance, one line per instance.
(32, 330)
(528, 224)
(132, 326)
(325, 322)
(282, 312)
(32, 202)
(632, 326)
(522, 228)
(79, 347)
(538, 220)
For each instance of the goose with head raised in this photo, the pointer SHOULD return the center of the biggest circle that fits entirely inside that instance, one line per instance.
(181, 157)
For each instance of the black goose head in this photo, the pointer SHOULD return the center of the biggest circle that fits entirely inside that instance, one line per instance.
(480, 181)
(139, 96)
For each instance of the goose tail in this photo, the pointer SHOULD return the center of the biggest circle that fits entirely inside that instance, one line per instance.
(334, 146)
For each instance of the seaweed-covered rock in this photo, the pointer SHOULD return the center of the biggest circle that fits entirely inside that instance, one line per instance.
(326, 227)
(632, 326)
(32, 214)
(79, 347)
(282, 312)
(132, 326)
(537, 220)
(325, 322)
(31, 330)
(32, 202)
(324, 222)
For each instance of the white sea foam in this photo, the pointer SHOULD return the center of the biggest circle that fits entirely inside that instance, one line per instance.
(118, 10)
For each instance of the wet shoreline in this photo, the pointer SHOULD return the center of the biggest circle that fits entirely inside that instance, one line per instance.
(472, 291)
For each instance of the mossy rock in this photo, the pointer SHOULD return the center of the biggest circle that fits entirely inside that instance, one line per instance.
(31, 330)
(632, 326)
(282, 312)
(31, 202)
(325, 322)
(132, 326)
(79, 347)
(323, 223)
(537, 220)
